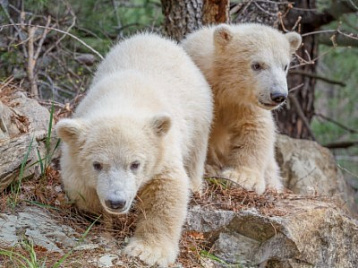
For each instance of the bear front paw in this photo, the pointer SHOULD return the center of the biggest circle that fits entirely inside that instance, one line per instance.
(212, 171)
(151, 254)
(275, 183)
(247, 178)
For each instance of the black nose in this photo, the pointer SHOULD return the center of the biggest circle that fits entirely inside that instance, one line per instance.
(278, 97)
(115, 204)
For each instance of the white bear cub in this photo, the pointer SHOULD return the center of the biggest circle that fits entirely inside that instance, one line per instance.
(142, 129)
(246, 66)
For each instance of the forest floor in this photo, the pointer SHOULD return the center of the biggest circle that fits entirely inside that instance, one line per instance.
(46, 192)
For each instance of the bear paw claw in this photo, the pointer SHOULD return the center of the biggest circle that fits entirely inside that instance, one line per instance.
(247, 178)
(162, 255)
(212, 171)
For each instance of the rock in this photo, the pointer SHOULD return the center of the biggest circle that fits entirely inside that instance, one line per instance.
(107, 260)
(37, 226)
(295, 232)
(308, 168)
(22, 122)
(235, 248)
(305, 233)
(86, 247)
(208, 220)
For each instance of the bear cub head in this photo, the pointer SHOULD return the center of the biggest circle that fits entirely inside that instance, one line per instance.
(110, 154)
(255, 58)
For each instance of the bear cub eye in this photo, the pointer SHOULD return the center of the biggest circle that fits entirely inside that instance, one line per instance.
(134, 165)
(286, 67)
(256, 66)
(97, 166)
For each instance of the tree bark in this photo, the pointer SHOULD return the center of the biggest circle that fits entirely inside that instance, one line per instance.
(258, 12)
(216, 11)
(185, 16)
(181, 17)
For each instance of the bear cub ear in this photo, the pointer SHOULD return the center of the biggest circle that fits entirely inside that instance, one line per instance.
(69, 130)
(222, 35)
(295, 41)
(161, 124)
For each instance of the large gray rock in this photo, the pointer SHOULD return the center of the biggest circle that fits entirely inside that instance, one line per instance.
(294, 233)
(308, 168)
(23, 121)
(37, 226)
(49, 234)
(298, 233)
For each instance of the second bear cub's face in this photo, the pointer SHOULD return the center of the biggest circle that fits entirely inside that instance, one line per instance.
(113, 157)
(256, 59)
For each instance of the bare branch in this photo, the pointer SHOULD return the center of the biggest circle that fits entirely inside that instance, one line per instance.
(44, 34)
(325, 79)
(318, 32)
(6, 83)
(295, 88)
(296, 23)
(31, 63)
(60, 31)
(21, 34)
(351, 130)
(335, 37)
(341, 144)
(353, 4)
(301, 114)
(64, 35)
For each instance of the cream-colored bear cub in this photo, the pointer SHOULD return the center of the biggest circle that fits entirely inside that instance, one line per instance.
(246, 66)
(142, 128)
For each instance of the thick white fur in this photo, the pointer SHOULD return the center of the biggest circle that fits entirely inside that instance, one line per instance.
(149, 104)
(241, 146)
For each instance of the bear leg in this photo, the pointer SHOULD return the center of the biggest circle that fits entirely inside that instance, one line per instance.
(164, 207)
(248, 160)
(196, 162)
(272, 175)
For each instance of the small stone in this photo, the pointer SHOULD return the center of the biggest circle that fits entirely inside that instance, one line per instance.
(107, 260)
(86, 247)
(58, 189)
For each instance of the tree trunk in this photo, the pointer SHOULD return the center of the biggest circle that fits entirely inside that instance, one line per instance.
(181, 17)
(185, 16)
(258, 12)
(216, 11)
